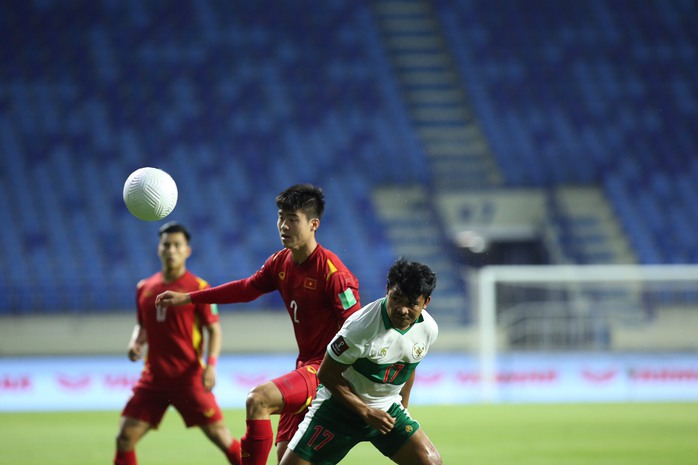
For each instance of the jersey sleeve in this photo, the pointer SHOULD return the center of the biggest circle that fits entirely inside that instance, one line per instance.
(342, 350)
(347, 345)
(241, 290)
(433, 329)
(345, 294)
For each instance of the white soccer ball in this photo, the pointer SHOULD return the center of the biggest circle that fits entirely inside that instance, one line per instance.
(150, 194)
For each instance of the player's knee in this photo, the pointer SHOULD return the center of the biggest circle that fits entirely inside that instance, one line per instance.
(261, 401)
(431, 456)
(418, 450)
(257, 398)
(125, 441)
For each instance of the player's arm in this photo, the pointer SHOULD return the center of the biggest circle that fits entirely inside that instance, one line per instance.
(330, 375)
(172, 298)
(242, 290)
(215, 341)
(135, 346)
(407, 389)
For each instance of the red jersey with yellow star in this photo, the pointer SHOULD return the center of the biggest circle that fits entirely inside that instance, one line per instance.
(319, 295)
(174, 334)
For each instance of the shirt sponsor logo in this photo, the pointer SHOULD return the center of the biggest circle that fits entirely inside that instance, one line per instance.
(339, 346)
(310, 283)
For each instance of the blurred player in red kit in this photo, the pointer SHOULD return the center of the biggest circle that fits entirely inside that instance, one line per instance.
(174, 372)
(319, 292)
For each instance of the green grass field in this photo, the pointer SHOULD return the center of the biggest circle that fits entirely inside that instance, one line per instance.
(599, 434)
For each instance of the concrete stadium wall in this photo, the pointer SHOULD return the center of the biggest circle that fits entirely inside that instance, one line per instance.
(105, 334)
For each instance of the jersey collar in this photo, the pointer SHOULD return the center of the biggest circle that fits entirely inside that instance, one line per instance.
(388, 324)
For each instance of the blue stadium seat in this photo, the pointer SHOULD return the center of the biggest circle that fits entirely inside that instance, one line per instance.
(237, 101)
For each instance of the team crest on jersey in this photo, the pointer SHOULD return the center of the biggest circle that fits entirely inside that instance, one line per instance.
(418, 350)
(282, 275)
(383, 352)
(310, 283)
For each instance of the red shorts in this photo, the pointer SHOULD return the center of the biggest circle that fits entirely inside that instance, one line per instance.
(298, 390)
(195, 404)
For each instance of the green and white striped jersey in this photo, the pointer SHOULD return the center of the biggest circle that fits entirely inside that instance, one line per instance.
(381, 356)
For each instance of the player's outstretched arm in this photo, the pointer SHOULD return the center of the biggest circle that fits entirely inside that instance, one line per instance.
(330, 375)
(172, 298)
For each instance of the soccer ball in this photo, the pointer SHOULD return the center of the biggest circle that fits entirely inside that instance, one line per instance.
(150, 194)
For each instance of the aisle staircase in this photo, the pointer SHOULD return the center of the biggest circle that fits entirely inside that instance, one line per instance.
(589, 229)
(458, 152)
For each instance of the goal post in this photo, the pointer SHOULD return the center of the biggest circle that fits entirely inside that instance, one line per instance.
(582, 308)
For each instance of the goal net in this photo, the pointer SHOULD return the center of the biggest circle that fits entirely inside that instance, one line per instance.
(583, 309)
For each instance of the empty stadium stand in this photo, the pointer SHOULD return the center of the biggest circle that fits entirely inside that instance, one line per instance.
(238, 100)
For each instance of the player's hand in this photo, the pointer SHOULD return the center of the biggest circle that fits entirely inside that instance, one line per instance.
(209, 377)
(135, 352)
(380, 420)
(169, 298)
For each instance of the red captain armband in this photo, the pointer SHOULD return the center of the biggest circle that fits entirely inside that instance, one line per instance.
(211, 361)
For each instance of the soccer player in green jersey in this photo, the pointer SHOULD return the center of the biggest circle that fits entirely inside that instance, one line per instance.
(367, 375)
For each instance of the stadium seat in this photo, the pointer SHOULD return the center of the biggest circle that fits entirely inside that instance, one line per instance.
(238, 99)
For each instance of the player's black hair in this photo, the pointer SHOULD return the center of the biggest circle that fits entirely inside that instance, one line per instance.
(173, 227)
(305, 197)
(411, 279)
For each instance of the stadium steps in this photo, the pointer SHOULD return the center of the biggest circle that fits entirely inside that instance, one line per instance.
(591, 231)
(414, 230)
(458, 152)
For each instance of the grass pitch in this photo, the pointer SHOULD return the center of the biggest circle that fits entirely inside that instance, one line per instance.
(581, 434)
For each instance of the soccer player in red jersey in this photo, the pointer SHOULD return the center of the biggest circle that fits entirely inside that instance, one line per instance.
(319, 292)
(174, 373)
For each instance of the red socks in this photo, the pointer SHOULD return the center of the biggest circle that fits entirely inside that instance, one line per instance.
(233, 453)
(125, 458)
(256, 443)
